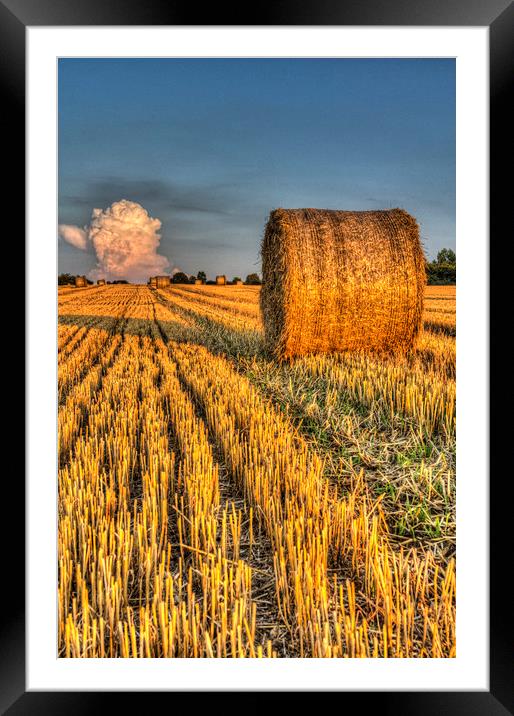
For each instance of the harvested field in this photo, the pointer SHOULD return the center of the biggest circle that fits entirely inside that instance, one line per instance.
(216, 503)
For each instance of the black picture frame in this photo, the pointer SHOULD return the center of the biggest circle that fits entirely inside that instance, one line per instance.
(498, 15)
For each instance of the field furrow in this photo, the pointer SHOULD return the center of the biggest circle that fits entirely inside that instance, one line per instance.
(239, 308)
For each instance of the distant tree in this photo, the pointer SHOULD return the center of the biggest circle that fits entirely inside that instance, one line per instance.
(253, 279)
(120, 280)
(442, 271)
(65, 279)
(192, 279)
(236, 278)
(210, 283)
(201, 275)
(446, 256)
(90, 283)
(180, 277)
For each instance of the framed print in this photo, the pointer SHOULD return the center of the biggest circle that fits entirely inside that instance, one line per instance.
(258, 411)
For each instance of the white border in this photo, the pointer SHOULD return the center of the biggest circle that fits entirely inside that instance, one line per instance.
(469, 671)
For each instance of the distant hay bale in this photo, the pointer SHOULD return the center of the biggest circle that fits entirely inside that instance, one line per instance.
(162, 281)
(221, 280)
(152, 281)
(100, 282)
(238, 282)
(198, 282)
(80, 281)
(341, 280)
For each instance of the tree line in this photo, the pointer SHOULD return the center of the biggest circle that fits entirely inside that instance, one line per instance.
(442, 271)
(251, 280)
(68, 279)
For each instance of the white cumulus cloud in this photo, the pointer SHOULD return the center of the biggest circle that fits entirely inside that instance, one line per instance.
(73, 235)
(125, 239)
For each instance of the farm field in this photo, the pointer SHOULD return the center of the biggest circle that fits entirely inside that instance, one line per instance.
(216, 503)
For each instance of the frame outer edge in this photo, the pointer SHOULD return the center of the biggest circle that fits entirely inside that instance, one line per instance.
(12, 83)
(501, 39)
(12, 619)
(280, 12)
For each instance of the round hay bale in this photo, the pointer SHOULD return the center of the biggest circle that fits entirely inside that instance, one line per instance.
(162, 281)
(341, 280)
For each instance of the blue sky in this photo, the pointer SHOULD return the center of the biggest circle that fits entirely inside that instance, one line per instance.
(210, 146)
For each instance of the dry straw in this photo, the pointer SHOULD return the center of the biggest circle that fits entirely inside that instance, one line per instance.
(341, 280)
(198, 282)
(221, 280)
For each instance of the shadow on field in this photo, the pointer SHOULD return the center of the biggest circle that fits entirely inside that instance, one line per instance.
(435, 327)
(191, 327)
(214, 335)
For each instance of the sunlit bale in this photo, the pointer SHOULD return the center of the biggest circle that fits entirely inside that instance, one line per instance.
(162, 281)
(341, 280)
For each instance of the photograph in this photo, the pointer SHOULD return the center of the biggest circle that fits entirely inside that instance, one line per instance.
(256, 358)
